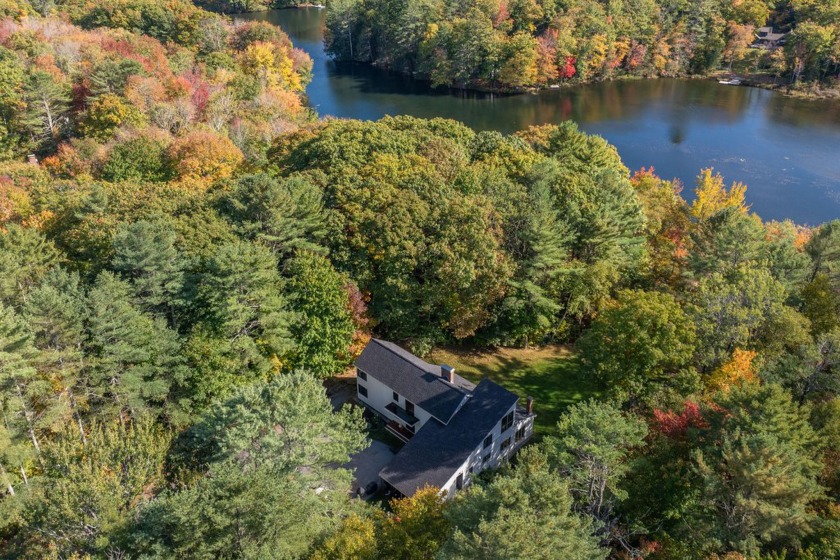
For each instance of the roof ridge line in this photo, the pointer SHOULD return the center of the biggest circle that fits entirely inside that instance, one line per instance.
(385, 346)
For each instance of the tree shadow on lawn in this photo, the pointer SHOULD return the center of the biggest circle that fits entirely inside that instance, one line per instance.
(556, 380)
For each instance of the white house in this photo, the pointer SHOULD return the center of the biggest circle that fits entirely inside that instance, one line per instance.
(453, 429)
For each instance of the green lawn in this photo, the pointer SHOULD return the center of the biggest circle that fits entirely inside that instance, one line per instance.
(549, 374)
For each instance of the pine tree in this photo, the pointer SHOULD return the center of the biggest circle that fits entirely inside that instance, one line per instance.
(146, 256)
(523, 514)
(55, 311)
(541, 244)
(21, 387)
(89, 491)
(270, 486)
(756, 469)
(726, 241)
(47, 105)
(25, 256)
(285, 423)
(285, 214)
(134, 359)
(824, 249)
(821, 304)
(733, 312)
(242, 297)
(592, 451)
(811, 371)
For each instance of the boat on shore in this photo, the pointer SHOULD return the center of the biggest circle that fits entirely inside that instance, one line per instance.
(731, 82)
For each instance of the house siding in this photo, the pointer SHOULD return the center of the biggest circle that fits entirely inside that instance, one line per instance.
(380, 396)
(497, 455)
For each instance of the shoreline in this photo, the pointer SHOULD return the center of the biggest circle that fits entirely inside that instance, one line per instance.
(757, 81)
(806, 91)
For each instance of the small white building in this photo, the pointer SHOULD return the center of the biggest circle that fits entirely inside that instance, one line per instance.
(453, 429)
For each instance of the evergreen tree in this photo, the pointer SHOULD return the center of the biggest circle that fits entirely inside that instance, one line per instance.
(523, 514)
(824, 250)
(756, 467)
(145, 255)
(821, 304)
(285, 214)
(787, 259)
(47, 106)
(592, 451)
(134, 359)
(811, 371)
(727, 241)
(231, 513)
(732, 312)
(285, 423)
(541, 245)
(25, 256)
(21, 388)
(84, 500)
(242, 296)
(270, 485)
(56, 312)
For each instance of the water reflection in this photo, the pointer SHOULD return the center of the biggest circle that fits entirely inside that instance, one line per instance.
(786, 150)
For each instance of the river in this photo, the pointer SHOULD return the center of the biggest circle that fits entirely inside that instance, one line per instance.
(786, 150)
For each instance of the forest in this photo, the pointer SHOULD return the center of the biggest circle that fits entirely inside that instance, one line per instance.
(511, 45)
(187, 253)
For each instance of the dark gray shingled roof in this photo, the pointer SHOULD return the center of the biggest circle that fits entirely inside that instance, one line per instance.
(437, 451)
(414, 379)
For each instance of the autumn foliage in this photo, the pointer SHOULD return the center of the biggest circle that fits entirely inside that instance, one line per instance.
(675, 425)
(204, 156)
(738, 370)
(711, 195)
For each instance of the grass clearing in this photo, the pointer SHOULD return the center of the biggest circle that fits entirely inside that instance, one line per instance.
(550, 374)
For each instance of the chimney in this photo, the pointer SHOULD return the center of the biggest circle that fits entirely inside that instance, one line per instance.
(529, 405)
(448, 373)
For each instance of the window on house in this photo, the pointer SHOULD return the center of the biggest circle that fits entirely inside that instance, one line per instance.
(505, 444)
(363, 390)
(409, 407)
(459, 482)
(520, 433)
(488, 441)
(485, 459)
(362, 375)
(396, 397)
(507, 422)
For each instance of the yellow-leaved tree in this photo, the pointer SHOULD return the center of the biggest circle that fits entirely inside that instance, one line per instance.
(273, 65)
(203, 156)
(354, 540)
(711, 195)
(738, 370)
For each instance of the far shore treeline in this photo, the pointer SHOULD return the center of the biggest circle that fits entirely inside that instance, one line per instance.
(187, 254)
(515, 45)
(521, 44)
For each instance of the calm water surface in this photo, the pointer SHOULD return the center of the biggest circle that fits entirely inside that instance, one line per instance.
(786, 150)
